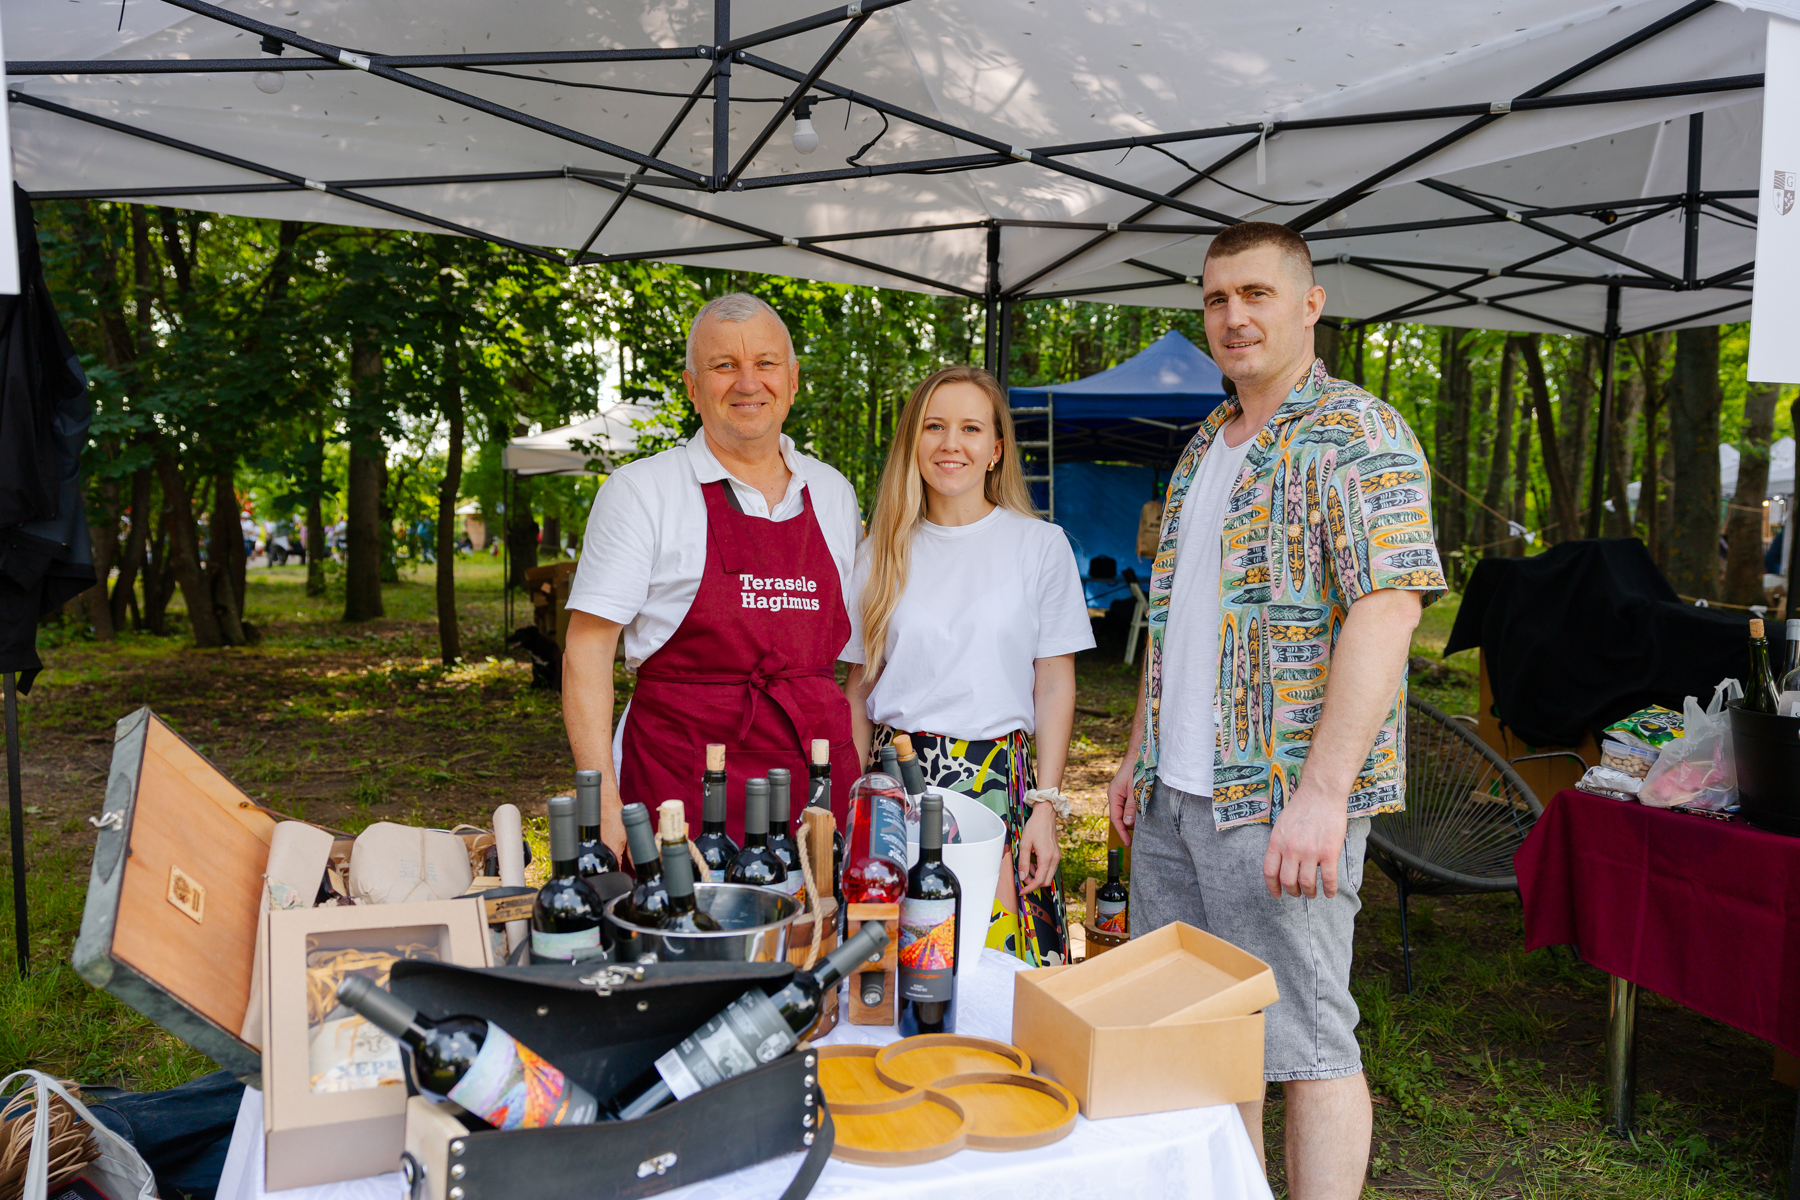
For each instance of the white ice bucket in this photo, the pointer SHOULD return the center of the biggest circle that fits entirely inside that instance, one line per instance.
(976, 861)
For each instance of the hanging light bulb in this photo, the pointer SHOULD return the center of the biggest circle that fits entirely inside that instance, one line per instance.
(806, 138)
(270, 82)
(1338, 220)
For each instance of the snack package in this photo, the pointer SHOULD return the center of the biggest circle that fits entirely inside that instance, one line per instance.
(1627, 758)
(1697, 771)
(1615, 785)
(1652, 728)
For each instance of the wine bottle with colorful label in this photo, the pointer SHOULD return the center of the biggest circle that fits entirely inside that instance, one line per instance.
(930, 916)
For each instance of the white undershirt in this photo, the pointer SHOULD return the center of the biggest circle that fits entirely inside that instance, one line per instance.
(645, 545)
(1187, 725)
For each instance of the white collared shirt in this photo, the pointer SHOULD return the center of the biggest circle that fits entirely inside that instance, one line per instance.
(645, 545)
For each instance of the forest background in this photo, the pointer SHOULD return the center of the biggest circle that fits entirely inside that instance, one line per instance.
(318, 373)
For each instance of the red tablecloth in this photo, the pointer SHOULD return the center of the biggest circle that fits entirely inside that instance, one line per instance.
(1704, 912)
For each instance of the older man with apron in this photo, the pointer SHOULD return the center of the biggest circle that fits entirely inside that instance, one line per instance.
(724, 566)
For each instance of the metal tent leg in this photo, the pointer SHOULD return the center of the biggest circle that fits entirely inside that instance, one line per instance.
(1621, 1055)
(15, 801)
(1405, 938)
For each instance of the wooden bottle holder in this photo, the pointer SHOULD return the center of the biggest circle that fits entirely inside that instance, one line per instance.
(887, 1012)
(1099, 941)
(814, 933)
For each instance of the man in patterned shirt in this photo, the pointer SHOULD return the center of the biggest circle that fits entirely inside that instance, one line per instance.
(1296, 553)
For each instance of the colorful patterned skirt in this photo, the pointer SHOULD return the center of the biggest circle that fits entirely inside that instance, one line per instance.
(998, 773)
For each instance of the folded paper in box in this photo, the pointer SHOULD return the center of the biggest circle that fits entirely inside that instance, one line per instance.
(1170, 1020)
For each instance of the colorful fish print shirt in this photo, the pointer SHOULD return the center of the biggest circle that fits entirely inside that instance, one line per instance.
(1333, 502)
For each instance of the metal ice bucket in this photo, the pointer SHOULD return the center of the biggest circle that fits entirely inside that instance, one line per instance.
(753, 925)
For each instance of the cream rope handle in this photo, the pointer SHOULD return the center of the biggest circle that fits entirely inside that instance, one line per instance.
(702, 872)
(812, 894)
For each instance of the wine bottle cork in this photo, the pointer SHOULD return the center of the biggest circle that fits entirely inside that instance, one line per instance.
(903, 746)
(715, 756)
(1756, 627)
(821, 752)
(671, 817)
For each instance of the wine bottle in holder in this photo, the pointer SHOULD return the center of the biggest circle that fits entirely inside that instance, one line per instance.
(781, 838)
(714, 843)
(1112, 903)
(648, 898)
(756, 864)
(818, 795)
(596, 857)
(566, 916)
(930, 916)
(875, 843)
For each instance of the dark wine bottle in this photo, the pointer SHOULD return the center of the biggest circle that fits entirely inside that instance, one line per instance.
(875, 845)
(930, 918)
(474, 1063)
(565, 917)
(596, 857)
(756, 864)
(818, 795)
(683, 913)
(648, 898)
(715, 845)
(1762, 695)
(781, 839)
(756, 1028)
(1112, 903)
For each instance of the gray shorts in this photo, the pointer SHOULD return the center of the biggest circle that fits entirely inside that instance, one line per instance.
(1185, 869)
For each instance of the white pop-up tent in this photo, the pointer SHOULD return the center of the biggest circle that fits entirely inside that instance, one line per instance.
(597, 444)
(1525, 164)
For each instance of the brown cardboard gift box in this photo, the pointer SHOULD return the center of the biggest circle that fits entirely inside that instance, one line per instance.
(1172, 1019)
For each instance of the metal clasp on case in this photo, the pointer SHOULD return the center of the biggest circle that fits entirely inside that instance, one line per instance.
(606, 979)
(657, 1166)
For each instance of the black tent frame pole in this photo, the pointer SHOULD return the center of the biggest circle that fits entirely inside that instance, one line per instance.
(506, 519)
(1003, 351)
(15, 805)
(990, 342)
(1608, 352)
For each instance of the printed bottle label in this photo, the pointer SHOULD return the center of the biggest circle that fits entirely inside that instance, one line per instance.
(747, 1034)
(927, 949)
(562, 946)
(511, 1088)
(887, 831)
(1109, 915)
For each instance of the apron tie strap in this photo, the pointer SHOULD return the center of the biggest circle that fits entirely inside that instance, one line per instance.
(757, 683)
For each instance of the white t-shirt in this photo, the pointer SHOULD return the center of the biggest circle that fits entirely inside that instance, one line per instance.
(645, 545)
(982, 602)
(1187, 726)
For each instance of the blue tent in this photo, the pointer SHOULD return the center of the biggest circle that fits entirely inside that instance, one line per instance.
(1144, 410)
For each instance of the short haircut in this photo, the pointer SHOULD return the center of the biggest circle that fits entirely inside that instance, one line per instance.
(736, 307)
(1253, 235)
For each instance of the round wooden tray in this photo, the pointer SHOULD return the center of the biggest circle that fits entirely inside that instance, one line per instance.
(919, 1126)
(923, 1060)
(847, 1076)
(1008, 1111)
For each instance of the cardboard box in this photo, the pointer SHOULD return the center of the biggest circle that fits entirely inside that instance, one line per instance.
(1169, 1020)
(315, 1132)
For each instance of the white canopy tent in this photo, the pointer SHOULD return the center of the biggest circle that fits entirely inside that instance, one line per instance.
(596, 444)
(1781, 472)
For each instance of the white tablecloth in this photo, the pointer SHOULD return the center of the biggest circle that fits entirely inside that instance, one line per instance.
(1197, 1153)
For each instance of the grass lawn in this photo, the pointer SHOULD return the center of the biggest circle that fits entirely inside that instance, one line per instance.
(1487, 1080)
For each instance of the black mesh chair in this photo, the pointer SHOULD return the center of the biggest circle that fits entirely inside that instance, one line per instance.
(1466, 812)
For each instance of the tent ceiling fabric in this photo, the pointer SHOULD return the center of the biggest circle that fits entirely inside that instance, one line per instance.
(984, 82)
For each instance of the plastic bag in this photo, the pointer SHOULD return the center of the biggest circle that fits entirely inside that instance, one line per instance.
(1696, 770)
(119, 1170)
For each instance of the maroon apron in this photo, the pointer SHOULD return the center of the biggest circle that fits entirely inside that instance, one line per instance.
(751, 665)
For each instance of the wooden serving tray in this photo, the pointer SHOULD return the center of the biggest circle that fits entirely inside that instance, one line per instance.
(1008, 1111)
(847, 1076)
(919, 1126)
(923, 1060)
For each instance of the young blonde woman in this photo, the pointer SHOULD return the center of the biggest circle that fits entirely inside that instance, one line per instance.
(964, 635)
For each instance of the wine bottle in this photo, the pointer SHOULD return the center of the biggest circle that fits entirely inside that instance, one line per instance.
(596, 857)
(474, 1063)
(888, 763)
(875, 844)
(756, 864)
(754, 1029)
(565, 917)
(683, 914)
(1789, 702)
(648, 898)
(781, 839)
(930, 918)
(1113, 901)
(912, 778)
(715, 845)
(1762, 694)
(818, 795)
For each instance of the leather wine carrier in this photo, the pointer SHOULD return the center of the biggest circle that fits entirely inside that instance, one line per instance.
(603, 1025)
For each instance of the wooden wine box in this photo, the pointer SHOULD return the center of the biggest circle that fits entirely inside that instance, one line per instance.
(175, 892)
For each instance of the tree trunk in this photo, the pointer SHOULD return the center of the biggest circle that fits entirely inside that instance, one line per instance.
(362, 501)
(1494, 535)
(1744, 521)
(103, 534)
(184, 552)
(1325, 345)
(316, 550)
(1387, 362)
(449, 634)
(159, 576)
(226, 545)
(1694, 402)
(1628, 398)
(1565, 522)
(137, 542)
(521, 533)
(390, 550)
(1521, 468)
(1452, 463)
(550, 545)
(1577, 405)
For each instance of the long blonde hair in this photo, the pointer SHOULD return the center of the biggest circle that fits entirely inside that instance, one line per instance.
(900, 503)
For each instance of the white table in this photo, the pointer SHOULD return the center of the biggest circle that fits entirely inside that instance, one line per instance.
(1197, 1153)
